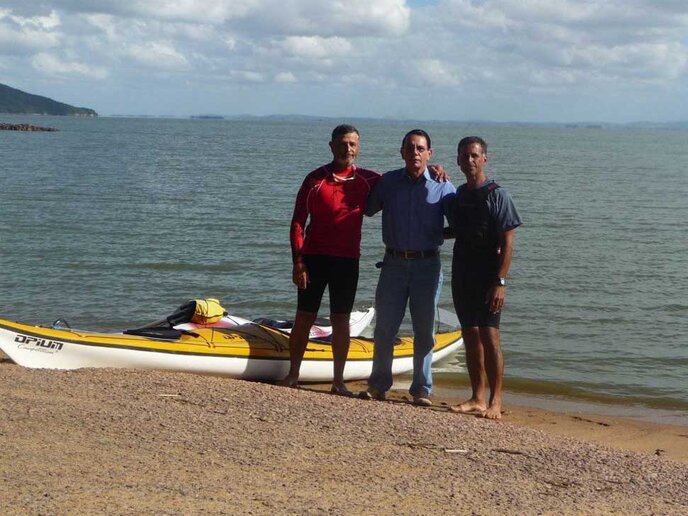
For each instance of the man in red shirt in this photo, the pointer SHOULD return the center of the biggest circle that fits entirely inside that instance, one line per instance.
(326, 252)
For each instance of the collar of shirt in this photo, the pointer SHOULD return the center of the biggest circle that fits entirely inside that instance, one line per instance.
(341, 175)
(484, 183)
(424, 176)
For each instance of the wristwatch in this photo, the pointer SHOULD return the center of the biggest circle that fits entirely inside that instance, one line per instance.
(500, 282)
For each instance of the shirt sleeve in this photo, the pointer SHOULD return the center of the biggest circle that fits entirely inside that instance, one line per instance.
(505, 210)
(298, 220)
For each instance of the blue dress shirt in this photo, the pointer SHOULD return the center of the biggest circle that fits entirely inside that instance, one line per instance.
(412, 211)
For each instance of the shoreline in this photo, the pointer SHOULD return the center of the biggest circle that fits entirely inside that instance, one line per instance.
(135, 441)
(561, 396)
(640, 429)
(584, 421)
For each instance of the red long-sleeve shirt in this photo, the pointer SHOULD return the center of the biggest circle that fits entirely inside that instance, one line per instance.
(334, 205)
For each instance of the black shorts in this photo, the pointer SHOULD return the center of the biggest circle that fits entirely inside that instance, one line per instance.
(470, 300)
(340, 274)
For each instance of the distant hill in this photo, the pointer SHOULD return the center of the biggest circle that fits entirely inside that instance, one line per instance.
(19, 102)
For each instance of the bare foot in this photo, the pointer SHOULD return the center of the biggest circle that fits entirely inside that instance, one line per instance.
(289, 382)
(469, 406)
(494, 411)
(341, 390)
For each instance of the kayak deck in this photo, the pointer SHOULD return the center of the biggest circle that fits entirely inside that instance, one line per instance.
(234, 351)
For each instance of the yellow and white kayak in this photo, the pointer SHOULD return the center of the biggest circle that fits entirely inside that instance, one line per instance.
(248, 351)
(358, 322)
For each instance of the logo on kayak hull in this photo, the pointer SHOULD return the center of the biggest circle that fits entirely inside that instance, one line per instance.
(37, 344)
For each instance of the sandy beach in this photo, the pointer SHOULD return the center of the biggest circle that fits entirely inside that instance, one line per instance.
(125, 442)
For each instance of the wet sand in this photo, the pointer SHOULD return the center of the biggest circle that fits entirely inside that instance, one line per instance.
(586, 423)
(120, 441)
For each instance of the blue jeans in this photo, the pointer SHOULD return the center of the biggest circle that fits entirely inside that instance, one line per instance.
(418, 282)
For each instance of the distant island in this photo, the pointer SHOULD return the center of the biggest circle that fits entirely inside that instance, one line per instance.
(677, 124)
(17, 102)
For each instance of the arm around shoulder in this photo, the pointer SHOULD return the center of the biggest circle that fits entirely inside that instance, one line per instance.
(448, 209)
(374, 202)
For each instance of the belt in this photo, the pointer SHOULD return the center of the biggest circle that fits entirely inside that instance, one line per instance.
(412, 255)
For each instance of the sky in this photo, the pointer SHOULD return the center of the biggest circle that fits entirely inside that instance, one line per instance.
(494, 60)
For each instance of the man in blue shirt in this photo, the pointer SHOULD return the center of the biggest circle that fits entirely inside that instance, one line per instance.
(413, 214)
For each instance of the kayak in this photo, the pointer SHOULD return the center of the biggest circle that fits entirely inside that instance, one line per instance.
(246, 351)
(358, 322)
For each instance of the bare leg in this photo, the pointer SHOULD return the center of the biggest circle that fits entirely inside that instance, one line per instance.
(494, 366)
(475, 363)
(340, 349)
(298, 340)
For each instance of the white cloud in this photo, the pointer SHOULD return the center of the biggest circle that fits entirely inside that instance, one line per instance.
(285, 77)
(432, 72)
(52, 65)
(48, 22)
(316, 47)
(328, 18)
(199, 11)
(277, 17)
(246, 76)
(157, 55)
(373, 51)
(569, 42)
(103, 23)
(21, 35)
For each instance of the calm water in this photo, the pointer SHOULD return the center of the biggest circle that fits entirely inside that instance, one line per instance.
(111, 223)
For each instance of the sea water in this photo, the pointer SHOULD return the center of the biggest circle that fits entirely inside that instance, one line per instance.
(114, 222)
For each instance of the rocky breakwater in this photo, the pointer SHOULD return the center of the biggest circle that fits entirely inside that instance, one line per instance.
(24, 127)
